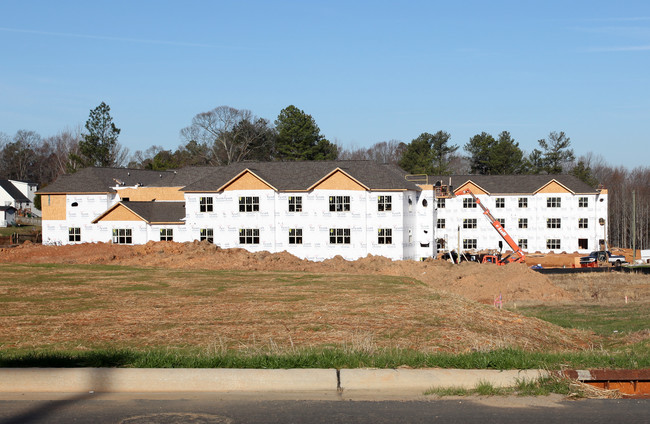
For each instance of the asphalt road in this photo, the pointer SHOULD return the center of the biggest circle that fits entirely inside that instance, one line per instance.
(325, 408)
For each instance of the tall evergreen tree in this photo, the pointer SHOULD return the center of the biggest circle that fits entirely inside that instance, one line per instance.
(556, 152)
(99, 144)
(299, 137)
(428, 154)
(480, 149)
(506, 157)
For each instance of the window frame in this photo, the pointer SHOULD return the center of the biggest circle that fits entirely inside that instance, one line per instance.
(206, 204)
(469, 203)
(470, 244)
(583, 202)
(339, 203)
(74, 234)
(385, 236)
(295, 203)
(500, 203)
(441, 223)
(206, 234)
(295, 235)
(127, 236)
(522, 223)
(340, 236)
(522, 243)
(249, 236)
(470, 223)
(553, 202)
(583, 223)
(550, 244)
(441, 203)
(166, 234)
(249, 204)
(553, 223)
(522, 202)
(384, 203)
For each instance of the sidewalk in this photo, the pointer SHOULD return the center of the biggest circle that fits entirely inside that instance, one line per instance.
(157, 380)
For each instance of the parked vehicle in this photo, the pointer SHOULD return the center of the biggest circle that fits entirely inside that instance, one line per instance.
(600, 258)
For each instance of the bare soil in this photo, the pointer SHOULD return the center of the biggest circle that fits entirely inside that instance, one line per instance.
(242, 316)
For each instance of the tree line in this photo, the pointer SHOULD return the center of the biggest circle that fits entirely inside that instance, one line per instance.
(226, 135)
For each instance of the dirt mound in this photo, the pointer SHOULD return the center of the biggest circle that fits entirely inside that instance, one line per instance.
(478, 282)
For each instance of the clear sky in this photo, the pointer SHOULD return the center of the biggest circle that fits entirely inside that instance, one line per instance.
(367, 71)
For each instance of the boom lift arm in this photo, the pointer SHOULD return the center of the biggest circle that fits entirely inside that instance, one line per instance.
(520, 256)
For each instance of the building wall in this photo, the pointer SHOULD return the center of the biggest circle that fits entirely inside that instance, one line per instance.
(274, 221)
(537, 213)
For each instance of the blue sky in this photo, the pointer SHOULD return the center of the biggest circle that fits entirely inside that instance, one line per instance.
(366, 71)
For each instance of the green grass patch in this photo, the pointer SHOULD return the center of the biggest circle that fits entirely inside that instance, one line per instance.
(601, 319)
(334, 357)
(21, 229)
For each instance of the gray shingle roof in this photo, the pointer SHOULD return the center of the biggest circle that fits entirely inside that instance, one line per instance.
(301, 175)
(101, 180)
(516, 184)
(158, 212)
(12, 191)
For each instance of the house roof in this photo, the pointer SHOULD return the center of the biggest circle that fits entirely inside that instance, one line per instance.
(102, 180)
(7, 208)
(152, 212)
(516, 184)
(302, 175)
(12, 191)
(284, 176)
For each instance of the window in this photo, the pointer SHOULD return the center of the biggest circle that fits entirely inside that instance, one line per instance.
(469, 243)
(384, 203)
(502, 221)
(122, 236)
(339, 236)
(249, 204)
(207, 234)
(441, 203)
(523, 243)
(166, 234)
(583, 223)
(469, 223)
(500, 202)
(339, 203)
(74, 234)
(553, 202)
(440, 223)
(523, 202)
(583, 202)
(469, 202)
(385, 236)
(583, 244)
(553, 244)
(205, 204)
(249, 236)
(554, 223)
(523, 222)
(295, 203)
(295, 236)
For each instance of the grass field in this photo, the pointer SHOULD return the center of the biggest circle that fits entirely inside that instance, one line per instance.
(23, 229)
(92, 315)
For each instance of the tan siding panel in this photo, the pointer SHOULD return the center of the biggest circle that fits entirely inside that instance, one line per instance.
(121, 213)
(472, 187)
(339, 181)
(247, 181)
(53, 207)
(553, 187)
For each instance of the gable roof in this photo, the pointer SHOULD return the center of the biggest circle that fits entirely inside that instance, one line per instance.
(516, 184)
(102, 180)
(152, 212)
(12, 191)
(301, 175)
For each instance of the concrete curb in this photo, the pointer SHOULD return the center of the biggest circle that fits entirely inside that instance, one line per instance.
(388, 379)
(160, 380)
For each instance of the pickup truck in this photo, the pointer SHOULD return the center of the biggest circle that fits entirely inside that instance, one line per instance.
(602, 258)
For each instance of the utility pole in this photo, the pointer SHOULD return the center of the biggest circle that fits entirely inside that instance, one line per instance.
(633, 226)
